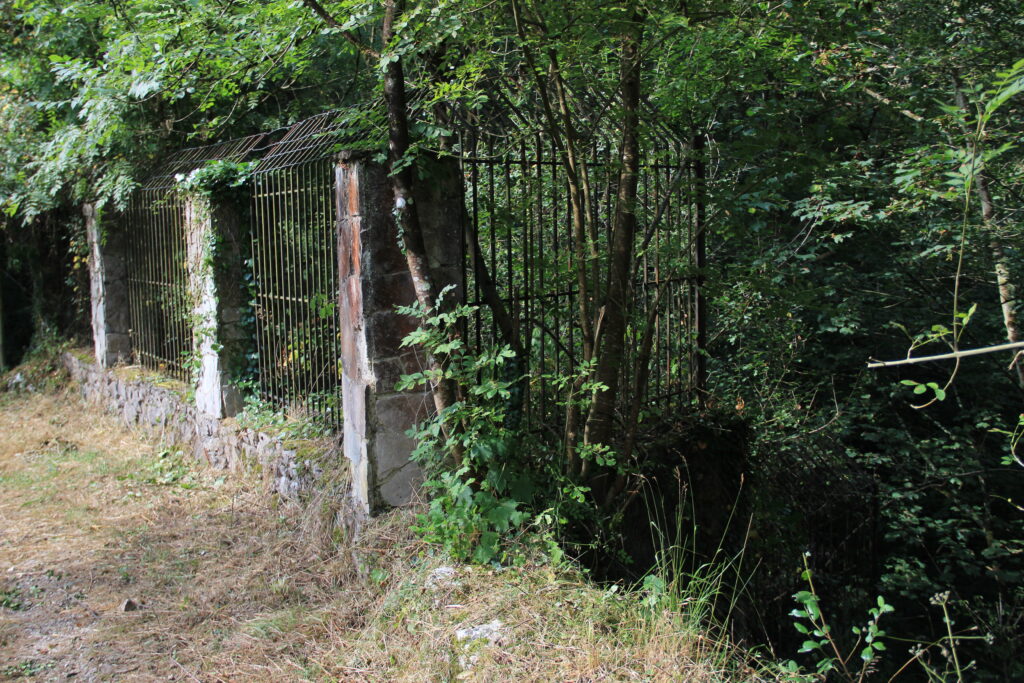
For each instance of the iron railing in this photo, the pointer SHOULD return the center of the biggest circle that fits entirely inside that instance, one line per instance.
(517, 201)
(518, 204)
(157, 277)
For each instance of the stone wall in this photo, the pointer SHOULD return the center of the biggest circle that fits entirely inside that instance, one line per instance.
(221, 444)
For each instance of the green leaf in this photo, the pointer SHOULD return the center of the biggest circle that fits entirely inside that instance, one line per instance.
(809, 646)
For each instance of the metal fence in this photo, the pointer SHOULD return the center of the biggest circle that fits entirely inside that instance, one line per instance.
(517, 201)
(157, 278)
(158, 293)
(295, 270)
(519, 206)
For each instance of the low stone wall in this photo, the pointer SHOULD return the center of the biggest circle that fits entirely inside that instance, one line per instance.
(220, 443)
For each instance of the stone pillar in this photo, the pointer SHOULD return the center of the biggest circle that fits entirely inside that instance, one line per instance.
(373, 280)
(108, 289)
(214, 257)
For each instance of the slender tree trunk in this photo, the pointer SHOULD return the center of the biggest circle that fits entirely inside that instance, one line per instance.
(562, 132)
(701, 262)
(643, 374)
(1004, 282)
(406, 211)
(612, 333)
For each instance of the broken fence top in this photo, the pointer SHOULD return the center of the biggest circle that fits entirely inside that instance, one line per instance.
(187, 160)
(308, 140)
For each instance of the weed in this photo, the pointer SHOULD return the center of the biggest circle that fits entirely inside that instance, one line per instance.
(26, 669)
(169, 469)
(11, 599)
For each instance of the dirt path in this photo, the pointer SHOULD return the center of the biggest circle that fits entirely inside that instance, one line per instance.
(120, 561)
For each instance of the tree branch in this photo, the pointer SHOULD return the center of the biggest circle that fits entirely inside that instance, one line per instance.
(334, 23)
(947, 356)
(885, 100)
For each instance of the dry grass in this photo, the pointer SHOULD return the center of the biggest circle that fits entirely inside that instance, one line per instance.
(234, 588)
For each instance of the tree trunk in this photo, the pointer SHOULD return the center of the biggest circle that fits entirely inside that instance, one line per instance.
(612, 333)
(701, 262)
(406, 211)
(1004, 283)
(562, 132)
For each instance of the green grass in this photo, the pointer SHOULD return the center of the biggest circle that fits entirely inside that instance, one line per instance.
(11, 599)
(29, 668)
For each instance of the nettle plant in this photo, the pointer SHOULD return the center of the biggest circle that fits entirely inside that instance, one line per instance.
(480, 473)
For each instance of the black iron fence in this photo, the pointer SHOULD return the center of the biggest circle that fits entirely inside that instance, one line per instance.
(518, 204)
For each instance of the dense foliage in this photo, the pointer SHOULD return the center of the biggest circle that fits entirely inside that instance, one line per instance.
(860, 187)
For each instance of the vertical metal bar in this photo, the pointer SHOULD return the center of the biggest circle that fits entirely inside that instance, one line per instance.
(493, 221)
(148, 255)
(510, 288)
(161, 274)
(254, 249)
(181, 270)
(539, 268)
(316, 302)
(556, 256)
(306, 231)
(299, 327)
(274, 286)
(334, 286)
(162, 304)
(328, 279)
(292, 235)
(525, 216)
(285, 324)
(260, 284)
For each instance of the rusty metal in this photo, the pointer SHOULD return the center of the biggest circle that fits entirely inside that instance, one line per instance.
(157, 282)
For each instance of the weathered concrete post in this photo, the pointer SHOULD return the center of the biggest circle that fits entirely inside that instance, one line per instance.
(108, 289)
(373, 280)
(214, 258)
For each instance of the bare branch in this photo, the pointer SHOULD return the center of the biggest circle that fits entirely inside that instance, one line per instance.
(885, 100)
(947, 356)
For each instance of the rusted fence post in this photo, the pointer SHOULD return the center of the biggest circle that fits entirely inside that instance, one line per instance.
(373, 280)
(107, 288)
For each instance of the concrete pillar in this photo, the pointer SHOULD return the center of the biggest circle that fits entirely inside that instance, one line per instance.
(214, 258)
(108, 289)
(373, 280)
